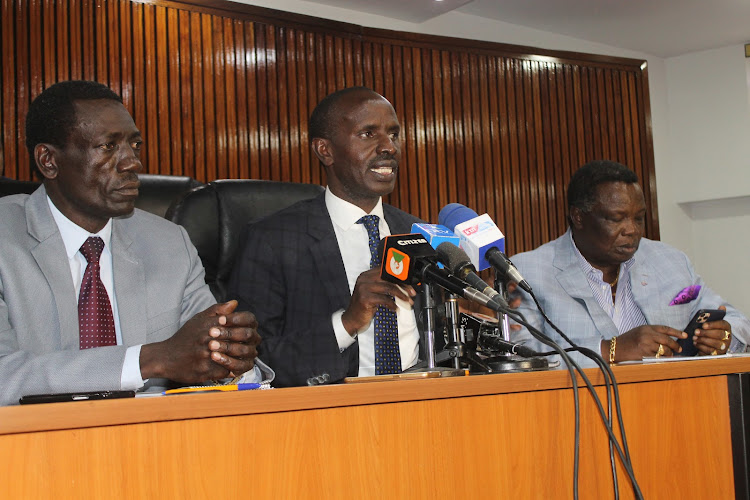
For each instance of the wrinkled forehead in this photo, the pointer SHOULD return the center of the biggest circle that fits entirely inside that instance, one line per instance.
(619, 194)
(102, 116)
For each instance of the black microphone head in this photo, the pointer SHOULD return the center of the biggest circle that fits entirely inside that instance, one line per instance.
(454, 259)
(403, 257)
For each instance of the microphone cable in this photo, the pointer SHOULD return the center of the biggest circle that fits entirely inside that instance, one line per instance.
(609, 378)
(571, 366)
(625, 459)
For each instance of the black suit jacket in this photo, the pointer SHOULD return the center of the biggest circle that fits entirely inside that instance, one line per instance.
(290, 274)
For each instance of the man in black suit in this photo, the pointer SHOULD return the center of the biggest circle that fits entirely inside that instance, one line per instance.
(306, 271)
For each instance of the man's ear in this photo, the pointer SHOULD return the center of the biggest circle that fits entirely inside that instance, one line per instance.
(322, 149)
(44, 156)
(576, 217)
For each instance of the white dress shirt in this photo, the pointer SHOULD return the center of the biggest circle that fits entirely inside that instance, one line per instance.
(73, 237)
(354, 246)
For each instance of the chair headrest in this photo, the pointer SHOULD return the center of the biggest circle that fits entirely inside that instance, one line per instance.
(215, 215)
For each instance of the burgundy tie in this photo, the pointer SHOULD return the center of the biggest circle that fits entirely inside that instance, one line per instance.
(95, 321)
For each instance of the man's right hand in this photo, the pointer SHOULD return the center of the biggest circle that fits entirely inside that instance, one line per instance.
(644, 341)
(213, 344)
(370, 292)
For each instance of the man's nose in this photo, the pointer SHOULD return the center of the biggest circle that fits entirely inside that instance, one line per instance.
(130, 160)
(388, 145)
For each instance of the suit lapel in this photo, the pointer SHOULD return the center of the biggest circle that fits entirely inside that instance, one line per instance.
(52, 259)
(574, 282)
(396, 222)
(643, 281)
(326, 255)
(130, 286)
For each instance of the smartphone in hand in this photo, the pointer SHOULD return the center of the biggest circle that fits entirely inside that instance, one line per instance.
(700, 317)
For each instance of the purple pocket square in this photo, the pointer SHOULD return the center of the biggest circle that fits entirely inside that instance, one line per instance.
(686, 295)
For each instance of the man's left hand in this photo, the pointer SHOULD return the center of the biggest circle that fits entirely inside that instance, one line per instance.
(713, 337)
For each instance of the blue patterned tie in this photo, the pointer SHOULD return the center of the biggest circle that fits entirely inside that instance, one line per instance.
(387, 354)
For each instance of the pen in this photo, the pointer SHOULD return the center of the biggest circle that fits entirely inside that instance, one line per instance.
(213, 388)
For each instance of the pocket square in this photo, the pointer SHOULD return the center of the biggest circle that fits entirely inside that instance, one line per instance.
(687, 294)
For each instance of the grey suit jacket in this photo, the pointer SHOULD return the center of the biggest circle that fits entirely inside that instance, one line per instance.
(158, 280)
(290, 273)
(658, 274)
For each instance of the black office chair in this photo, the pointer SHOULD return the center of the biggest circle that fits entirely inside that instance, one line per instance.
(215, 215)
(156, 194)
(12, 186)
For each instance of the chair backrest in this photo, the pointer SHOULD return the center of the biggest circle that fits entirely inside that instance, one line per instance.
(216, 214)
(156, 194)
(12, 186)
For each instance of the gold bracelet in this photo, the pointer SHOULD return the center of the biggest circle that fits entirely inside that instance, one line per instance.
(612, 347)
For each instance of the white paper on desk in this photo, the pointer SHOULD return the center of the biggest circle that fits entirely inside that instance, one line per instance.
(663, 359)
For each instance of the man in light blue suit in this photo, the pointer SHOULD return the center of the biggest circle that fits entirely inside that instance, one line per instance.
(613, 291)
(160, 318)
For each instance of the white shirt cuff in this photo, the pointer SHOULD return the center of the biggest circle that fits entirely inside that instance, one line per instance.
(343, 338)
(131, 380)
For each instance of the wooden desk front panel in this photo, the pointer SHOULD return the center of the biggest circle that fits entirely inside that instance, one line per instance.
(517, 445)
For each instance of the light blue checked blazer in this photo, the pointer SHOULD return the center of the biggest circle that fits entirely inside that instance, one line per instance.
(659, 273)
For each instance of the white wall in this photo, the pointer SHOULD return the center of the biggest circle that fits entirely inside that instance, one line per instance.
(699, 115)
(706, 183)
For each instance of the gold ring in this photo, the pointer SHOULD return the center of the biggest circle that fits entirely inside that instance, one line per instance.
(714, 352)
(726, 335)
(660, 351)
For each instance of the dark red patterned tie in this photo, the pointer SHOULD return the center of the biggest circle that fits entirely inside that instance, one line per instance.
(96, 324)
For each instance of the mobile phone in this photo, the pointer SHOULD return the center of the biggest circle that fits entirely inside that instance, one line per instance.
(74, 396)
(700, 317)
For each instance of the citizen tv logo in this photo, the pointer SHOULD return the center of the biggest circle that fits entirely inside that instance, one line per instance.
(416, 241)
(397, 264)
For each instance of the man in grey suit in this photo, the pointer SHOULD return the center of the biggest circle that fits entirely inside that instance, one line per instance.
(306, 271)
(613, 291)
(160, 318)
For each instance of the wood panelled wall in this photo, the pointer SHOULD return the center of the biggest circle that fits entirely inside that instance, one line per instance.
(224, 90)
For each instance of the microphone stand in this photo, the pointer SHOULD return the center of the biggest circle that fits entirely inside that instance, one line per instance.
(511, 362)
(454, 350)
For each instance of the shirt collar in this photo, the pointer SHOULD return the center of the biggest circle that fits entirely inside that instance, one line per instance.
(74, 235)
(345, 214)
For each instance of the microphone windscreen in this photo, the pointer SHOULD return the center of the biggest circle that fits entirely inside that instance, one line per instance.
(455, 213)
(452, 257)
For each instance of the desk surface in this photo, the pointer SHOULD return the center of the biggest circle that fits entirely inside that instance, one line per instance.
(489, 436)
(84, 414)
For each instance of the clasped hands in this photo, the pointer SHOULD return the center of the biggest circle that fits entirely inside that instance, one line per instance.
(214, 344)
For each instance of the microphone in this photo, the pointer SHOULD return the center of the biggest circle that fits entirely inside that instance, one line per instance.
(483, 242)
(409, 258)
(436, 234)
(477, 330)
(503, 345)
(460, 265)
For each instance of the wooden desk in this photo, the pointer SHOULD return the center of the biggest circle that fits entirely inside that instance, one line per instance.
(491, 436)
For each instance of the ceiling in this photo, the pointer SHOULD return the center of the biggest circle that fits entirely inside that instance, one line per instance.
(664, 28)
